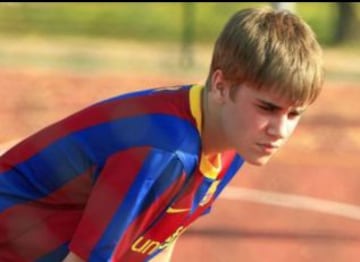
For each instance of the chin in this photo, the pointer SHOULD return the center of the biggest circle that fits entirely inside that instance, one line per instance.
(258, 161)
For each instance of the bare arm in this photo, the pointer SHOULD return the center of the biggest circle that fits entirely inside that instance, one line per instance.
(71, 257)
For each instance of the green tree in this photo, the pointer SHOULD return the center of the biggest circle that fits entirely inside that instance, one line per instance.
(187, 59)
(347, 25)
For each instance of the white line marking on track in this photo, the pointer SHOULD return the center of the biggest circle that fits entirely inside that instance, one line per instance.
(292, 201)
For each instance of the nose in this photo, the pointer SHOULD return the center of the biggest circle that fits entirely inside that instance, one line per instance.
(278, 127)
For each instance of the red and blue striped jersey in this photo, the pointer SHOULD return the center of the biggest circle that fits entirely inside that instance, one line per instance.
(117, 181)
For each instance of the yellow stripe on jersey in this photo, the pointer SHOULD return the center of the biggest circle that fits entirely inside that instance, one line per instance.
(195, 105)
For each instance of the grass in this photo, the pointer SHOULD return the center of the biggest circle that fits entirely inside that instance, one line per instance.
(140, 21)
(99, 56)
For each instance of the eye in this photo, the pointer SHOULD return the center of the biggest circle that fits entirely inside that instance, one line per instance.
(267, 108)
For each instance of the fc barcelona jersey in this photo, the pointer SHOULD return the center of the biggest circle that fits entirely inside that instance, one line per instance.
(117, 181)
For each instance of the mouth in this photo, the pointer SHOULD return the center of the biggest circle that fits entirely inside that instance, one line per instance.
(267, 148)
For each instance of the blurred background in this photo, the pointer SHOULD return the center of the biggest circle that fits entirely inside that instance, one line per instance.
(56, 58)
(160, 37)
(144, 43)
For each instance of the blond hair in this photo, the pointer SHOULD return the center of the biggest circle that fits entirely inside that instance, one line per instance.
(270, 49)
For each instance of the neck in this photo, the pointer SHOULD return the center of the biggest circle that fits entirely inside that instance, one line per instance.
(211, 137)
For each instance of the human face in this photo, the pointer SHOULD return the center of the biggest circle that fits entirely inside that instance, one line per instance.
(257, 123)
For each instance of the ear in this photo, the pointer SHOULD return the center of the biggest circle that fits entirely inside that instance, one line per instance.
(219, 86)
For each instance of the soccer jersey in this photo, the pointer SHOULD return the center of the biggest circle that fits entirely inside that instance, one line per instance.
(117, 181)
